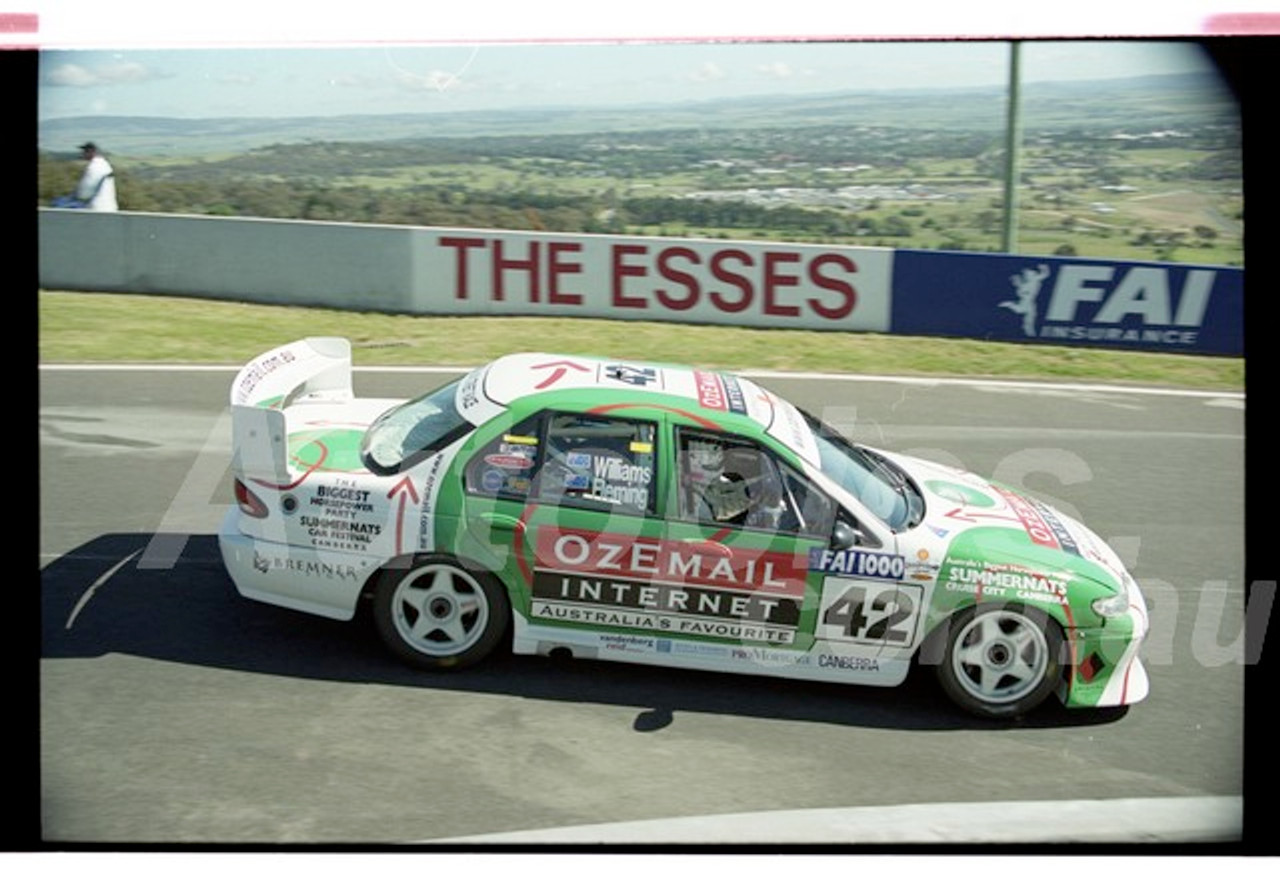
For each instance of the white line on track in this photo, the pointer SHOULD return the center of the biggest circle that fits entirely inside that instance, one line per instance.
(102, 579)
(753, 373)
(1122, 821)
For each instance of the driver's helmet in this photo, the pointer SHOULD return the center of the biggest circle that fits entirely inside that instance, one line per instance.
(728, 497)
(704, 462)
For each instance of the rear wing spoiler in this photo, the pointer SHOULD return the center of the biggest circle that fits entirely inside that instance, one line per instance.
(307, 369)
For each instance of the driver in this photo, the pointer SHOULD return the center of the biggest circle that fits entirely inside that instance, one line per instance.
(730, 486)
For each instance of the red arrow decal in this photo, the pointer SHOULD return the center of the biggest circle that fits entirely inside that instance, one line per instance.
(405, 485)
(406, 491)
(561, 367)
(959, 514)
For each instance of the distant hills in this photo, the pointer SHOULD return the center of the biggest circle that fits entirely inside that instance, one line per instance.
(1132, 104)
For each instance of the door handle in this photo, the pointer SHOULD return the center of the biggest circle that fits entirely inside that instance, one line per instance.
(706, 546)
(497, 528)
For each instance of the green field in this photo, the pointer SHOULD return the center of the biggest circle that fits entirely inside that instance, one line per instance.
(106, 328)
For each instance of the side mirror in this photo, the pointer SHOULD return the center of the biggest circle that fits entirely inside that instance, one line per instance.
(844, 536)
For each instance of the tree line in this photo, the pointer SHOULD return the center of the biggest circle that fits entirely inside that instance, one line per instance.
(455, 205)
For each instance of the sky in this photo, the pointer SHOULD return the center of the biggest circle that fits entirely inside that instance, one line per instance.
(391, 77)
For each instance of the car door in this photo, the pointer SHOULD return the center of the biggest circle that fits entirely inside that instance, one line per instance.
(741, 525)
(573, 496)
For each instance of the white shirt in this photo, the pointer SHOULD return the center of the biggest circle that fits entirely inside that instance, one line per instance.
(97, 186)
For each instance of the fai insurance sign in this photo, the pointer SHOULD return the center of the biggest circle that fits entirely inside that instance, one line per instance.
(1147, 306)
(695, 281)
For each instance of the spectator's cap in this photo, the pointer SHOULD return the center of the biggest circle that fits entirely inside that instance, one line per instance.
(89, 146)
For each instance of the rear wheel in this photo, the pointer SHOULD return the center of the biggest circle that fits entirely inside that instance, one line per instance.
(1001, 661)
(439, 615)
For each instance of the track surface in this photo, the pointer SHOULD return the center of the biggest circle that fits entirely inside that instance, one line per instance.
(171, 710)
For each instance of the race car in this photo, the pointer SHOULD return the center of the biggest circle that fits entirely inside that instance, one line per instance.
(662, 515)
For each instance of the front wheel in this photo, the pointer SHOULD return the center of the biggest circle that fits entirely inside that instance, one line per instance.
(1001, 661)
(438, 615)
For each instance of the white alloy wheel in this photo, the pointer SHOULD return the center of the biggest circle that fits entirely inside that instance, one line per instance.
(1001, 661)
(439, 615)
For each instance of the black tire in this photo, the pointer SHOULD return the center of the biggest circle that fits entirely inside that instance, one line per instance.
(439, 615)
(1001, 661)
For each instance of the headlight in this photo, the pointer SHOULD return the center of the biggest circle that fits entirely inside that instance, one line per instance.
(1116, 604)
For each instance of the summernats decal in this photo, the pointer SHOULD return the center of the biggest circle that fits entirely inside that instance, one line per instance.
(983, 579)
(339, 515)
(1148, 306)
(609, 580)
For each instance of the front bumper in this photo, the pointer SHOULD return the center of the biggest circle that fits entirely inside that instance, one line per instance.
(1105, 668)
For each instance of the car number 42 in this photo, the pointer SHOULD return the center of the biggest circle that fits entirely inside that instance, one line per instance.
(869, 612)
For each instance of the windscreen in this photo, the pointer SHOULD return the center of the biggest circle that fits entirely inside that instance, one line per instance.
(874, 480)
(414, 430)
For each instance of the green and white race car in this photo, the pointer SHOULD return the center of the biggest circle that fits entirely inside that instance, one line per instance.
(661, 515)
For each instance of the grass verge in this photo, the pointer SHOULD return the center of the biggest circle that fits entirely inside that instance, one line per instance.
(106, 328)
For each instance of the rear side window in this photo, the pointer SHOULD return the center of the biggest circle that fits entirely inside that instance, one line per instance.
(410, 432)
(600, 462)
(571, 460)
(507, 465)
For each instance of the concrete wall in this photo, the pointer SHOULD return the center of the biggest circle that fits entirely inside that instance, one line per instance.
(467, 271)
(1152, 306)
(366, 267)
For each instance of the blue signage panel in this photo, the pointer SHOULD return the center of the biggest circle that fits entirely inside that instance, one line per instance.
(1065, 301)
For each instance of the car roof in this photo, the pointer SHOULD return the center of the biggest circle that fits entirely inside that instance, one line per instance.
(704, 395)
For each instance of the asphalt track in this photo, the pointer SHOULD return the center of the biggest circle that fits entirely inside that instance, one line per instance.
(174, 712)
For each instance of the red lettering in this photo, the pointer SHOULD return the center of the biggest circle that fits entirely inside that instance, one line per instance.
(677, 277)
(710, 391)
(692, 291)
(849, 295)
(462, 244)
(501, 264)
(724, 275)
(678, 563)
(555, 267)
(773, 279)
(619, 270)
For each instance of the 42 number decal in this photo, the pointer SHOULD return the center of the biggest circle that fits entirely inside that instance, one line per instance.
(869, 612)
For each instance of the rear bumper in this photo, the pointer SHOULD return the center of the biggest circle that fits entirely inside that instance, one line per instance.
(319, 582)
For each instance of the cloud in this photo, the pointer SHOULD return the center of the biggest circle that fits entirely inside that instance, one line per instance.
(356, 81)
(108, 74)
(777, 70)
(707, 72)
(435, 80)
(70, 75)
(237, 80)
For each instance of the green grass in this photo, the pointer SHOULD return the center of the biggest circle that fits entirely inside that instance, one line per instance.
(104, 328)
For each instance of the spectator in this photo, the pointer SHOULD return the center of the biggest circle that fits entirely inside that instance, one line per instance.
(97, 187)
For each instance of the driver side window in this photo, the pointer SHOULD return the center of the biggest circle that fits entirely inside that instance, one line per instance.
(730, 481)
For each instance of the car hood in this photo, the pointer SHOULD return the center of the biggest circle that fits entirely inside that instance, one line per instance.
(997, 523)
